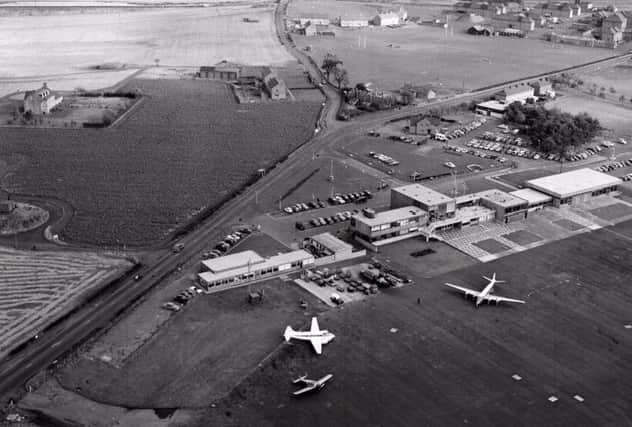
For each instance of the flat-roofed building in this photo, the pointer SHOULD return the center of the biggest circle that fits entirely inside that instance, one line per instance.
(243, 267)
(491, 108)
(314, 20)
(327, 248)
(437, 205)
(508, 207)
(575, 186)
(389, 226)
(535, 199)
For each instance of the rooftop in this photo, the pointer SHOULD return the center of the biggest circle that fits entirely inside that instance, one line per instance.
(426, 195)
(493, 105)
(331, 242)
(532, 196)
(390, 216)
(501, 198)
(273, 261)
(228, 262)
(572, 183)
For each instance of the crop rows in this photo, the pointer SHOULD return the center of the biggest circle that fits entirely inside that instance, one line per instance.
(188, 146)
(37, 287)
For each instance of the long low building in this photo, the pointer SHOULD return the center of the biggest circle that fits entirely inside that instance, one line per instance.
(390, 226)
(243, 267)
(575, 186)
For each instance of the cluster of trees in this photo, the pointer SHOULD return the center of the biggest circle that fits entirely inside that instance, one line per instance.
(332, 66)
(551, 130)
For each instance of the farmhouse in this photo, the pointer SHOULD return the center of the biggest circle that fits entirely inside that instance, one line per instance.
(274, 86)
(575, 186)
(385, 19)
(244, 267)
(41, 101)
(511, 94)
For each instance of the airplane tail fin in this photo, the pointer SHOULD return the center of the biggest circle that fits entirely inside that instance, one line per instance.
(288, 333)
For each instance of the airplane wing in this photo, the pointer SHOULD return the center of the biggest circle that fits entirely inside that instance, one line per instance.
(314, 327)
(497, 299)
(466, 291)
(304, 390)
(317, 343)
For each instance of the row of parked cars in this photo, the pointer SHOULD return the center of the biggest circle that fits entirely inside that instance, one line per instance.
(182, 298)
(228, 242)
(504, 139)
(357, 197)
(472, 152)
(457, 133)
(301, 207)
(334, 279)
(321, 221)
(614, 165)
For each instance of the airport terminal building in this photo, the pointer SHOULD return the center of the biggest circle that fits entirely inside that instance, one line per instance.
(376, 229)
(437, 206)
(243, 267)
(575, 186)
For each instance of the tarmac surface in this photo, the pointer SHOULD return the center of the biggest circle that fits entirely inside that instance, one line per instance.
(439, 361)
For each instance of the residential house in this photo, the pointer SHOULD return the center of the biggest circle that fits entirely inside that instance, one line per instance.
(309, 30)
(424, 125)
(515, 93)
(274, 86)
(41, 101)
(612, 28)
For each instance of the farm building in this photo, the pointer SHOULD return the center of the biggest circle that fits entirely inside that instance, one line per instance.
(437, 205)
(517, 21)
(375, 229)
(352, 22)
(511, 94)
(41, 101)
(480, 30)
(314, 20)
(491, 108)
(274, 86)
(575, 186)
(557, 10)
(224, 70)
(385, 19)
(244, 267)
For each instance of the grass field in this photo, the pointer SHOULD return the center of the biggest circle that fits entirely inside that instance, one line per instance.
(38, 287)
(448, 363)
(201, 354)
(426, 56)
(187, 146)
(179, 36)
(611, 116)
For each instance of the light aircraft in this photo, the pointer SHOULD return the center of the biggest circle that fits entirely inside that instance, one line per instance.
(314, 335)
(310, 385)
(486, 294)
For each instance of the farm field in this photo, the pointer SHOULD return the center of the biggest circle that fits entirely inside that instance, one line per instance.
(38, 287)
(424, 55)
(188, 146)
(611, 116)
(443, 362)
(177, 36)
(207, 348)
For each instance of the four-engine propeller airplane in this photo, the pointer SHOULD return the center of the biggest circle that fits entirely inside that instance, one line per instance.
(317, 337)
(486, 294)
(310, 385)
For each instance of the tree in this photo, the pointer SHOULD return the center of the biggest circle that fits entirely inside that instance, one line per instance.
(330, 62)
(622, 98)
(341, 76)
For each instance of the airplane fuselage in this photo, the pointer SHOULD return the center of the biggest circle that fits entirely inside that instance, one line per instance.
(486, 291)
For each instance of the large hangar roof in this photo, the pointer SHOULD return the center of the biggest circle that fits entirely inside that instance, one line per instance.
(572, 183)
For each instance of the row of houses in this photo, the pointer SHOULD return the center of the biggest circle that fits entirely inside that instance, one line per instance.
(259, 76)
(381, 19)
(416, 210)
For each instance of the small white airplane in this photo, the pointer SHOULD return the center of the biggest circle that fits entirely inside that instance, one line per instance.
(314, 335)
(310, 385)
(486, 294)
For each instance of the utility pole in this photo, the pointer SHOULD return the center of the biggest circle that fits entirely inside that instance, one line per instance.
(256, 197)
(331, 171)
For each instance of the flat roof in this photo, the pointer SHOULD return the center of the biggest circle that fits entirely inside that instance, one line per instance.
(228, 262)
(331, 242)
(426, 195)
(532, 196)
(390, 215)
(493, 105)
(273, 261)
(501, 198)
(572, 183)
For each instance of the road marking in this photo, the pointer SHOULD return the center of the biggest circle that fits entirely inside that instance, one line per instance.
(56, 344)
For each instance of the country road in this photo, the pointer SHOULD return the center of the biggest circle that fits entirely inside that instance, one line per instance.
(61, 338)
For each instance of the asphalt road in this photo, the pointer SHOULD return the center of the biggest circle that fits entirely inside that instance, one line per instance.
(52, 344)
